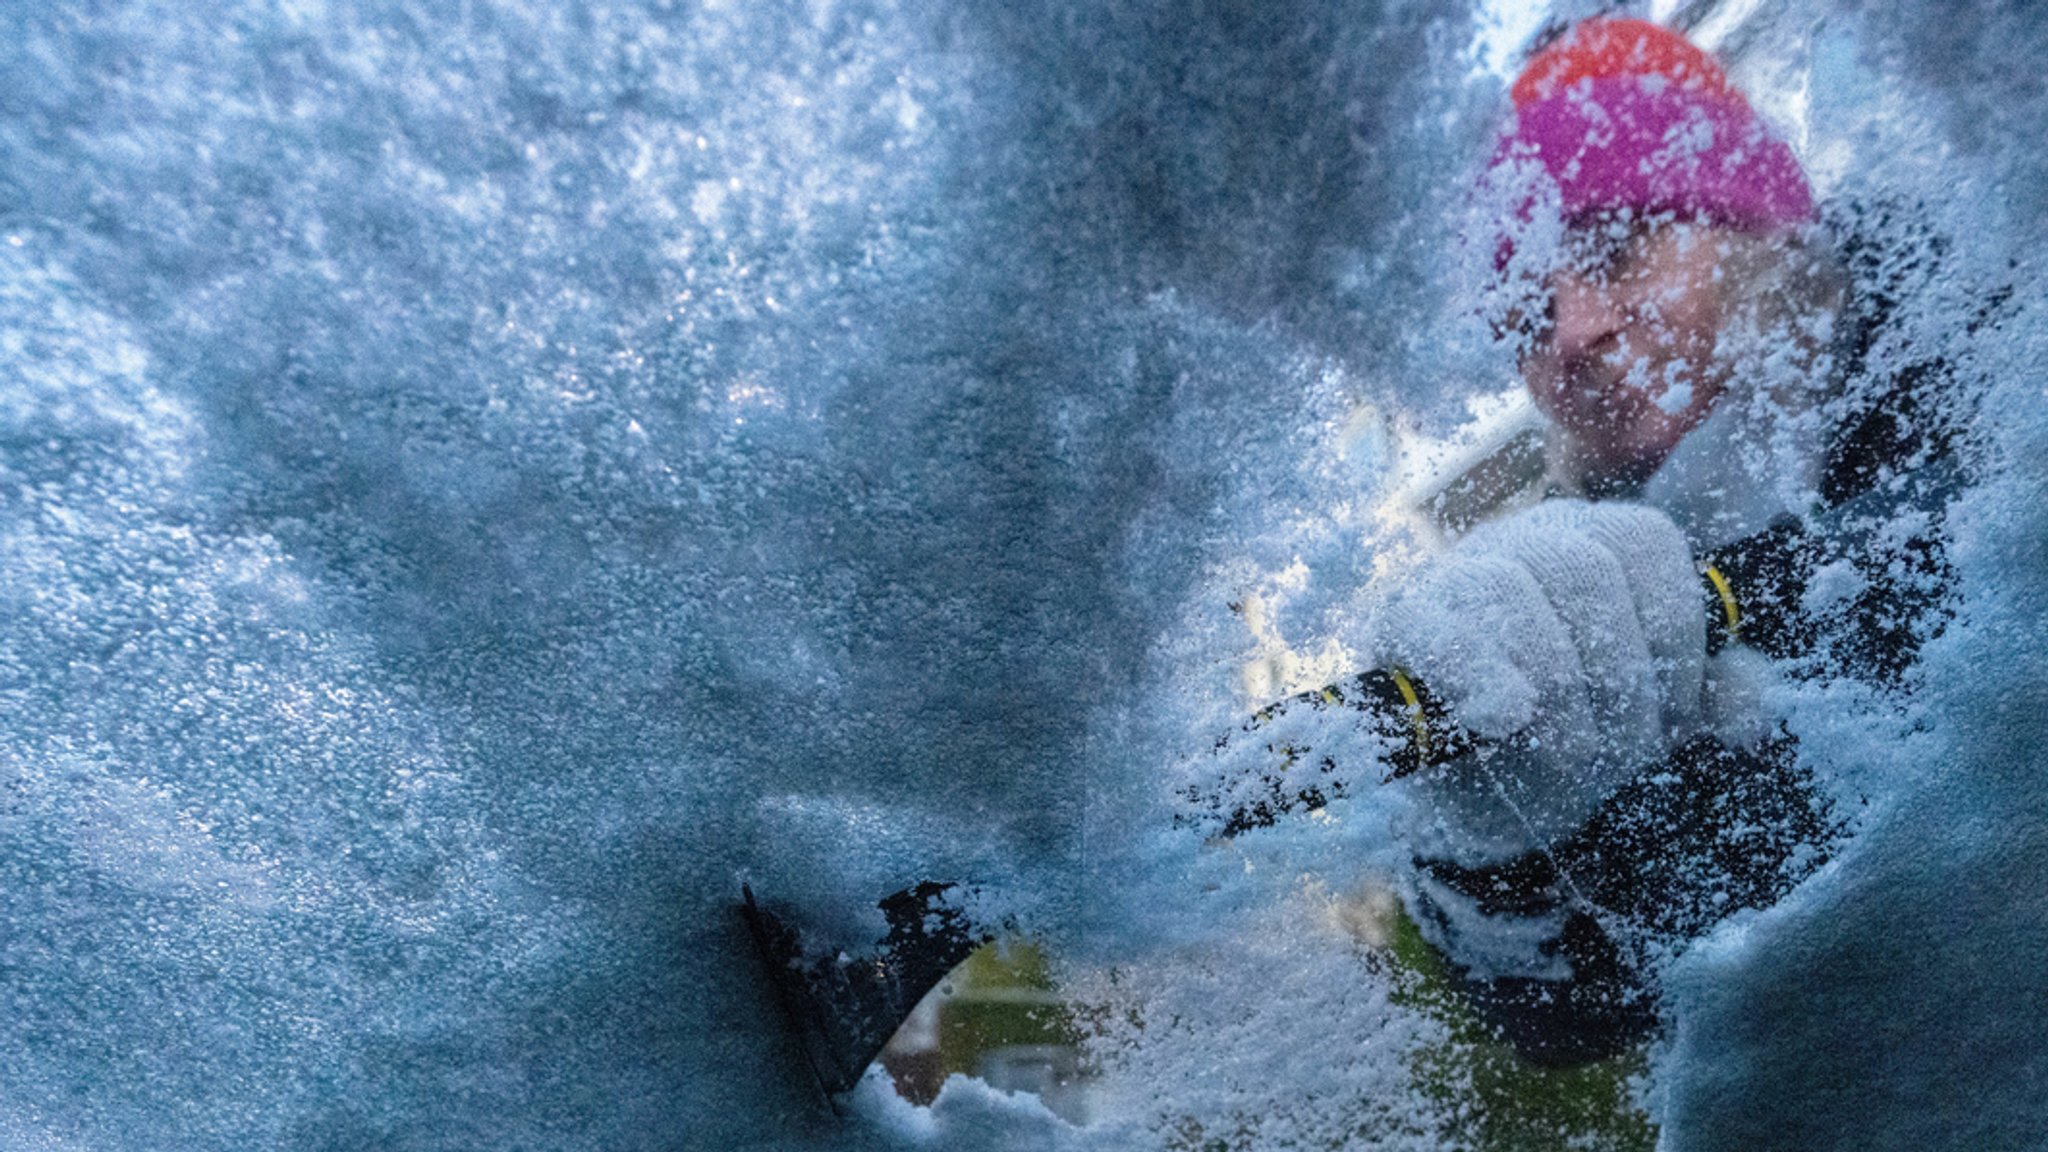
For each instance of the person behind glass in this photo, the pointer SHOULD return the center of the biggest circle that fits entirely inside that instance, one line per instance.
(1695, 336)
(1677, 316)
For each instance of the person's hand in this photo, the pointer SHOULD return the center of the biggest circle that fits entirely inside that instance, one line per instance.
(1572, 634)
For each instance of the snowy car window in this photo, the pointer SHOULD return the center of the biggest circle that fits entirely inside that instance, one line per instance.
(1076, 575)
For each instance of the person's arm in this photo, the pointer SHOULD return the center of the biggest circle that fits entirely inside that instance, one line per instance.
(1411, 717)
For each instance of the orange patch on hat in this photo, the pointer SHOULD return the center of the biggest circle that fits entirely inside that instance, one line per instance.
(1599, 48)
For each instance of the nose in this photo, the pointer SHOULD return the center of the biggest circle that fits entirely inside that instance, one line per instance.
(1587, 318)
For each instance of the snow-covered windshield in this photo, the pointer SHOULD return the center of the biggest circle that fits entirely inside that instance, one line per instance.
(482, 482)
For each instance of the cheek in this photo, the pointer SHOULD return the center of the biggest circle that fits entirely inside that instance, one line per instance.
(1678, 343)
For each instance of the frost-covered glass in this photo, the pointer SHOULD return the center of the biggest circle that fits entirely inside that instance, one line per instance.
(481, 483)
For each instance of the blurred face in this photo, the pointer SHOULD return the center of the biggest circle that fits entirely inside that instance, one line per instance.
(1624, 362)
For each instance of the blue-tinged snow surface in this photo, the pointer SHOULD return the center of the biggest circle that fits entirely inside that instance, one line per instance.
(479, 481)
(1896, 1001)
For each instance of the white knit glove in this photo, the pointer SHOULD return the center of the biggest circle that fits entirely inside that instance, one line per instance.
(1574, 628)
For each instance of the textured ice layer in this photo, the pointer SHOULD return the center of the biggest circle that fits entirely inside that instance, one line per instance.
(1890, 1002)
(480, 481)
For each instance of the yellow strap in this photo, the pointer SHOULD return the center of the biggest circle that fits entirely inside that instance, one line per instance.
(1728, 607)
(1415, 716)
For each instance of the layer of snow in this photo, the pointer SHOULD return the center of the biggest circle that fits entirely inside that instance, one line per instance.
(478, 482)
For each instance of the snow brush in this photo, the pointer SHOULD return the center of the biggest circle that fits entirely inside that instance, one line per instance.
(843, 1006)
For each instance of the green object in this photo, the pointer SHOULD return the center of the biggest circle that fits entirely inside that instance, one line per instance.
(1497, 1101)
(1001, 1019)
(1001, 997)
(996, 1017)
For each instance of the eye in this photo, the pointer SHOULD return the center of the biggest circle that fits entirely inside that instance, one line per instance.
(1608, 250)
(1528, 328)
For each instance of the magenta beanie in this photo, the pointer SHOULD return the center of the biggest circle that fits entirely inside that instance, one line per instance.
(1648, 144)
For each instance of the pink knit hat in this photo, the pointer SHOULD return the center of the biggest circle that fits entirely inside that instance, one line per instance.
(1624, 114)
